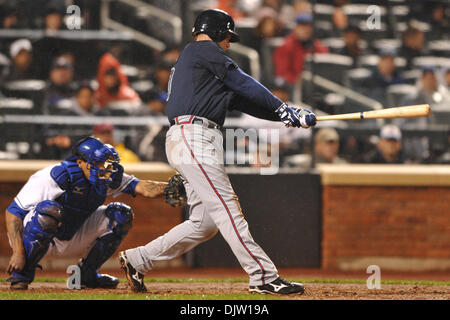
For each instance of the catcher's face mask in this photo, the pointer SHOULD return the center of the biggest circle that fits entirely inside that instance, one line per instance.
(102, 160)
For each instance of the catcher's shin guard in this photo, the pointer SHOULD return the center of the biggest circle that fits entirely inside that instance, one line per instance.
(121, 217)
(38, 234)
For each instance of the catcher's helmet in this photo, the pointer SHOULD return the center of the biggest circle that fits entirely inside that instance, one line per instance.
(94, 152)
(216, 24)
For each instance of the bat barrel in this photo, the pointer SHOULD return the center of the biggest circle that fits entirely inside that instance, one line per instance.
(422, 110)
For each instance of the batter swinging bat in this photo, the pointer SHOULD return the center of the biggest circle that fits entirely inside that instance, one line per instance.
(420, 110)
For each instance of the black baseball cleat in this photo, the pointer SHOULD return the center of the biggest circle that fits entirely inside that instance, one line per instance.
(135, 278)
(101, 281)
(279, 286)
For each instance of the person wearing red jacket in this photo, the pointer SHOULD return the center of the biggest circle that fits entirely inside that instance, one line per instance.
(289, 58)
(113, 83)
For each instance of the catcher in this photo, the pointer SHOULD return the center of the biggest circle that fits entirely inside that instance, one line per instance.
(60, 211)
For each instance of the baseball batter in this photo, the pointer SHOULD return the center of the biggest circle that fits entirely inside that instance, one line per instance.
(60, 211)
(204, 84)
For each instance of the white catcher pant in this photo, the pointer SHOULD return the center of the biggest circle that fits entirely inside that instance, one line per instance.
(197, 153)
(95, 226)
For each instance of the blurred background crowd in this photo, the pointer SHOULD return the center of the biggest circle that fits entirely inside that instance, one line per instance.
(60, 76)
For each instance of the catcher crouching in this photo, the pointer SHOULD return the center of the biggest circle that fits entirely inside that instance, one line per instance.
(60, 211)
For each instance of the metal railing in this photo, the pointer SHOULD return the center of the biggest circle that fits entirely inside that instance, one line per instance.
(337, 88)
(108, 23)
(253, 57)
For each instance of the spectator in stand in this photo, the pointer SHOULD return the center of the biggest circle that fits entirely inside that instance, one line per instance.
(22, 61)
(352, 47)
(413, 45)
(340, 22)
(154, 104)
(161, 77)
(382, 77)
(444, 87)
(389, 147)
(171, 54)
(60, 84)
(113, 83)
(105, 132)
(326, 146)
(84, 103)
(268, 27)
(53, 17)
(289, 58)
(427, 90)
(439, 20)
(9, 17)
(231, 7)
(289, 12)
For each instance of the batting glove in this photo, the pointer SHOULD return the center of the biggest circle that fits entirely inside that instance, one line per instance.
(307, 118)
(288, 116)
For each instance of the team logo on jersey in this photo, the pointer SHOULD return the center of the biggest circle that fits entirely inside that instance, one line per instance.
(78, 190)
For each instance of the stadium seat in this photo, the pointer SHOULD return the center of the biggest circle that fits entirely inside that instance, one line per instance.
(431, 61)
(371, 61)
(335, 45)
(121, 108)
(329, 65)
(62, 107)
(397, 92)
(323, 11)
(26, 89)
(411, 76)
(439, 48)
(401, 13)
(16, 106)
(387, 44)
(130, 71)
(355, 77)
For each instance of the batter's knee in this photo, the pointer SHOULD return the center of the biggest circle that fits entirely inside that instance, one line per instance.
(206, 227)
(120, 218)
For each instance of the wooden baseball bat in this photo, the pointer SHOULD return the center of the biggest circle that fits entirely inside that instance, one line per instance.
(420, 110)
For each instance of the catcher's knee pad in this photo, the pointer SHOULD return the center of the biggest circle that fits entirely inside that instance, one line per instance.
(120, 218)
(38, 234)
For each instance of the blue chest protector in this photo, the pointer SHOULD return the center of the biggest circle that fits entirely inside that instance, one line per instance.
(80, 199)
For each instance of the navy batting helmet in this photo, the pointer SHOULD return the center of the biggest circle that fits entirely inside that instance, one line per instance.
(217, 24)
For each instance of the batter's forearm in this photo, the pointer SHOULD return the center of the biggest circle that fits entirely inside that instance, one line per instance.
(244, 85)
(151, 189)
(14, 227)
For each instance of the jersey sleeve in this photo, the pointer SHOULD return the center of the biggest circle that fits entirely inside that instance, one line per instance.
(214, 59)
(39, 187)
(245, 105)
(127, 185)
(224, 68)
(244, 85)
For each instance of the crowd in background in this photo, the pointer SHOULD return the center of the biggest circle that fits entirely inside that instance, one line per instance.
(99, 80)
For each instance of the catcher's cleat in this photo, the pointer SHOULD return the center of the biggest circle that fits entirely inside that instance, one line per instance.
(135, 278)
(103, 281)
(19, 285)
(278, 286)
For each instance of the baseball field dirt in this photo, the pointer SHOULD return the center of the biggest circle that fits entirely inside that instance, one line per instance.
(230, 284)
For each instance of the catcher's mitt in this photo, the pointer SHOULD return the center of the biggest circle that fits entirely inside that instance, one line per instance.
(174, 192)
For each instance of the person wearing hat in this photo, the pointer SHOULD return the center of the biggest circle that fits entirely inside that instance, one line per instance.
(105, 132)
(21, 55)
(289, 58)
(389, 147)
(61, 84)
(113, 84)
(326, 146)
